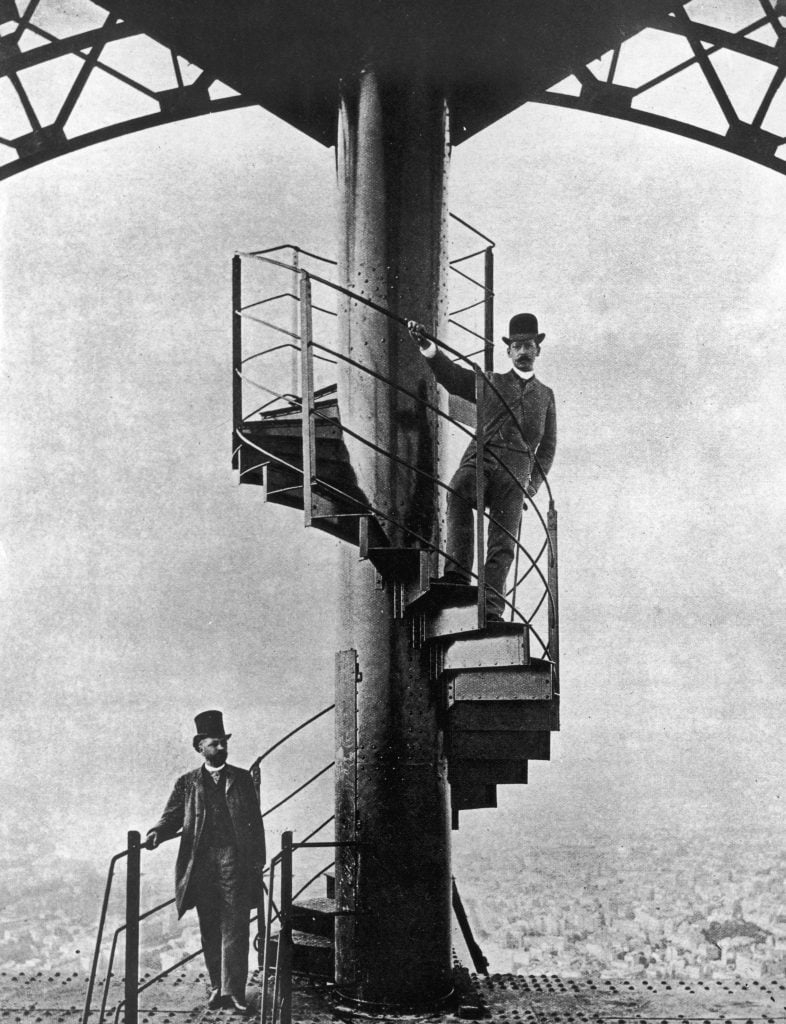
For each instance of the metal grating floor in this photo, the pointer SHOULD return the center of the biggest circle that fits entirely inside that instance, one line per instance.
(507, 999)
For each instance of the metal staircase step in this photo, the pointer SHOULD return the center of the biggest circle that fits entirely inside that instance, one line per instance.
(311, 954)
(467, 795)
(448, 622)
(493, 745)
(512, 683)
(315, 916)
(499, 772)
(440, 595)
(500, 716)
(497, 650)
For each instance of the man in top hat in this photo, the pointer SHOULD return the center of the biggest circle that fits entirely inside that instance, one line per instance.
(220, 860)
(510, 470)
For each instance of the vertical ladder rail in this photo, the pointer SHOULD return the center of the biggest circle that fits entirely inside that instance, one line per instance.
(480, 496)
(237, 356)
(307, 409)
(133, 874)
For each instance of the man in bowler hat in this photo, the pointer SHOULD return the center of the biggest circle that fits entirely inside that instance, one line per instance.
(511, 443)
(220, 860)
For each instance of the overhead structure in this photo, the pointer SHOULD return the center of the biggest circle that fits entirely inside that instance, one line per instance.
(712, 75)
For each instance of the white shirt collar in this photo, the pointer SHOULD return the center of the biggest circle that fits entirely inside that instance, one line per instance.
(524, 374)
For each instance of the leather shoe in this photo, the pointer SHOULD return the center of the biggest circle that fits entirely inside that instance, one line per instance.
(233, 1003)
(214, 1000)
(493, 617)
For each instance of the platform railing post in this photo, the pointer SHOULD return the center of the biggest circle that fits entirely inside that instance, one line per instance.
(307, 408)
(133, 874)
(237, 356)
(480, 496)
(488, 311)
(285, 935)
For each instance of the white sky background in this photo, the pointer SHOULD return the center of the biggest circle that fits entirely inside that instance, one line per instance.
(140, 585)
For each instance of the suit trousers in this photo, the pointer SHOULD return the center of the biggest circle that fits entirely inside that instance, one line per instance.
(223, 911)
(504, 487)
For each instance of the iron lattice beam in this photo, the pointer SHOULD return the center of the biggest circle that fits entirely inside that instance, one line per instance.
(170, 85)
(709, 47)
(78, 64)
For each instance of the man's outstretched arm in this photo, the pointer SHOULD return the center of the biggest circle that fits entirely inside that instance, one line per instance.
(171, 821)
(458, 380)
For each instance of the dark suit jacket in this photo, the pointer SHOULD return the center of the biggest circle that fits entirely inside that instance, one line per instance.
(186, 809)
(533, 426)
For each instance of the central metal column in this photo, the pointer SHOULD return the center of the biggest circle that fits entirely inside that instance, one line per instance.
(391, 788)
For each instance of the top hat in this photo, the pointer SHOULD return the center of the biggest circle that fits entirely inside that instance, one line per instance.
(211, 723)
(524, 325)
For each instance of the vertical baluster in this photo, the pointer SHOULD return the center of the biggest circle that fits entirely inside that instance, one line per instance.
(488, 310)
(307, 408)
(553, 589)
(480, 496)
(237, 356)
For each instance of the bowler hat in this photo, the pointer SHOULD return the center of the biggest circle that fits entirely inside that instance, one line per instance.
(524, 325)
(210, 723)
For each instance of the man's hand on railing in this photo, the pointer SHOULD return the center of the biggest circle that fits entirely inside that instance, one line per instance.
(418, 334)
(151, 841)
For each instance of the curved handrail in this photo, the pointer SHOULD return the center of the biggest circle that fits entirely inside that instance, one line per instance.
(381, 451)
(290, 734)
(403, 321)
(300, 789)
(100, 934)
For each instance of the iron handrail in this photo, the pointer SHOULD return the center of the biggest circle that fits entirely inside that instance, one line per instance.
(298, 249)
(440, 483)
(100, 934)
(300, 789)
(402, 390)
(454, 216)
(403, 321)
(290, 734)
(113, 950)
(282, 983)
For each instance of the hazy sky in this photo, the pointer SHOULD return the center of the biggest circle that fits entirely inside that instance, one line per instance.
(140, 585)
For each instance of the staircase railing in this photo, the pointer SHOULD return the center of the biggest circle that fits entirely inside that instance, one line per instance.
(308, 348)
(132, 917)
(278, 1004)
